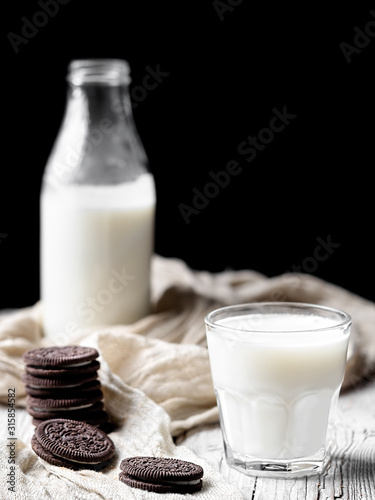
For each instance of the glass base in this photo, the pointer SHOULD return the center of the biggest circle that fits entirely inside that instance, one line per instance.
(287, 469)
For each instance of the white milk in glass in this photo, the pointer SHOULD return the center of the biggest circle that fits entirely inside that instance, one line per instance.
(96, 245)
(275, 389)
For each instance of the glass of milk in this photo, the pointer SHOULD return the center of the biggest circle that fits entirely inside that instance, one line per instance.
(97, 208)
(277, 370)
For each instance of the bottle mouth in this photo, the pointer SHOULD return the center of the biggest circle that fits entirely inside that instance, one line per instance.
(102, 71)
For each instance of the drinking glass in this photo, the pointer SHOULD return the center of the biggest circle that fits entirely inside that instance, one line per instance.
(277, 369)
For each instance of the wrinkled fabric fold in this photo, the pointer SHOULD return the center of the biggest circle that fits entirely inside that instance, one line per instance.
(143, 428)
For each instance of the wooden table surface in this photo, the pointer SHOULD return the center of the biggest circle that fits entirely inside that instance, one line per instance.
(351, 475)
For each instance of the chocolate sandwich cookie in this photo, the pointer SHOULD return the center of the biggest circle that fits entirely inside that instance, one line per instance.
(72, 356)
(42, 404)
(161, 475)
(64, 392)
(64, 372)
(83, 413)
(73, 444)
(95, 418)
(49, 457)
(32, 381)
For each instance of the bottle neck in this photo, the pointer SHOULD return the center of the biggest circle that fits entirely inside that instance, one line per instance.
(98, 71)
(101, 105)
(98, 143)
(100, 88)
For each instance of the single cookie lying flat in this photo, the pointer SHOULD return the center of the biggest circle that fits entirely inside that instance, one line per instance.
(89, 412)
(64, 392)
(97, 419)
(64, 383)
(48, 404)
(71, 356)
(72, 444)
(161, 475)
(63, 372)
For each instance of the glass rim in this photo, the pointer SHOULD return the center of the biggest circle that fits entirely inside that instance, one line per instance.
(345, 322)
(98, 70)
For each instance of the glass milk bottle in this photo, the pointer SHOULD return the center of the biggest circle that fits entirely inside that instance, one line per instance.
(97, 208)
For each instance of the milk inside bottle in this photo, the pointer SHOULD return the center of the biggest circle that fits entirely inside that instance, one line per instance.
(97, 208)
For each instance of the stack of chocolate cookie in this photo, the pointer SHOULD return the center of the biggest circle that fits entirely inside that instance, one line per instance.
(63, 382)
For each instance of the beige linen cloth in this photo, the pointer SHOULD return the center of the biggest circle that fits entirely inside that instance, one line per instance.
(155, 373)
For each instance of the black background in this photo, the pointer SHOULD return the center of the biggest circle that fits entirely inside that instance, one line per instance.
(225, 76)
